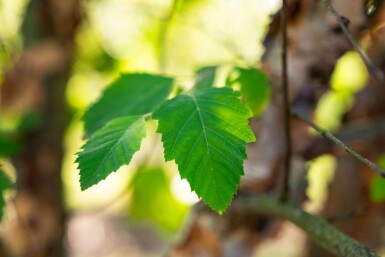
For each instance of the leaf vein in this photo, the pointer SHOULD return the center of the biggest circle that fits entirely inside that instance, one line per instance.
(207, 143)
(180, 131)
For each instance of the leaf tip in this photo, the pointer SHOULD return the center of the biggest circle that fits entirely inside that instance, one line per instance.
(83, 187)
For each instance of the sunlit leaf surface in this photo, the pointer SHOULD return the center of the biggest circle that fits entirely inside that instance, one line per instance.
(109, 148)
(131, 94)
(206, 134)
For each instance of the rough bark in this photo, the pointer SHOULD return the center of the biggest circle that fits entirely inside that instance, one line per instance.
(36, 85)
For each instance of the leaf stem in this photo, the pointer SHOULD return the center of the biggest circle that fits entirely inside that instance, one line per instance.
(373, 70)
(286, 102)
(335, 140)
(147, 116)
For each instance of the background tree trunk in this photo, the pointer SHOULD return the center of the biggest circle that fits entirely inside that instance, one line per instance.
(35, 87)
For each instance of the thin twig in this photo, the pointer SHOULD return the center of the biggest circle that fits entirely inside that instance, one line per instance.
(335, 140)
(373, 70)
(286, 103)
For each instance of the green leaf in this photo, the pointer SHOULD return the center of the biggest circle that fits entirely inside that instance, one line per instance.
(30, 122)
(131, 94)
(206, 134)
(9, 143)
(152, 199)
(377, 189)
(205, 77)
(5, 183)
(109, 148)
(377, 186)
(254, 87)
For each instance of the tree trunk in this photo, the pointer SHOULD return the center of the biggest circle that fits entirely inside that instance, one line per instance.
(35, 87)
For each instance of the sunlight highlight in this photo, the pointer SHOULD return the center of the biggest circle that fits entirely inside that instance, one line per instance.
(320, 174)
(181, 190)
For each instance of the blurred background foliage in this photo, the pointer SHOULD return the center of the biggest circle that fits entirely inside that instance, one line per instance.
(175, 38)
(170, 37)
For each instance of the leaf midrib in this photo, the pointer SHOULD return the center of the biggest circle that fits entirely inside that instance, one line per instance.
(207, 143)
(127, 130)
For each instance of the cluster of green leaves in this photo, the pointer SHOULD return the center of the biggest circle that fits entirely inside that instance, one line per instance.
(205, 132)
